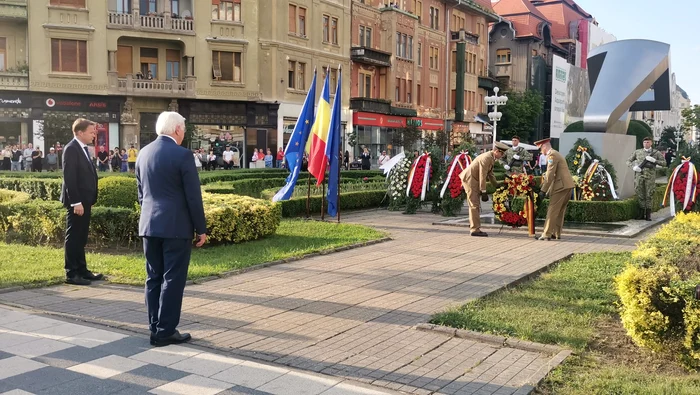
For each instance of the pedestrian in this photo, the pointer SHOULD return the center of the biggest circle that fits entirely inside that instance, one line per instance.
(542, 162)
(268, 158)
(346, 160)
(78, 195)
(52, 160)
(557, 183)
(103, 159)
(474, 179)
(16, 162)
(280, 157)
(644, 162)
(365, 157)
(172, 213)
(383, 158)
(131, 159)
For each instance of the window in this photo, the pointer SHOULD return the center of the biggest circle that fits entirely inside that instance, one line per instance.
(397, 90)
(420, 54)
(69, 3)
(409, 49)
(68, 56)
(149, 62)
(297, 20)
(453, 99)
(302, 21)
(123, 6)
(404, 46)
(3, 54)
(434, 57)
(454, 61)
(433, 97)
(172, 64)
(470, 63)
(334, 30)
(229, 64)
(326, 28)
(296, 75)
(435, 18)
(364, 85)
(365, 37)
(503, 56)
(419, 98)
(175, 7)
(152, 6)
(225, 10)
(418, 9)
(333, 80)
(292, 18)
(398, 44)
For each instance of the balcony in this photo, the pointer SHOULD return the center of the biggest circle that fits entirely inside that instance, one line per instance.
(157, 23)
(131, 86)
(13, 9)
(379, 106)
(14, 81)
(370, 56)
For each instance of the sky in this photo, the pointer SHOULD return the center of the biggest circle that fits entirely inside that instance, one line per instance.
(660, 21)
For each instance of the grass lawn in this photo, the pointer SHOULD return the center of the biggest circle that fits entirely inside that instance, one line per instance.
(574, 306)
(38, 266)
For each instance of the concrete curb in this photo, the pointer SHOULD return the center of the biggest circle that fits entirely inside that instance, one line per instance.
(227, 273)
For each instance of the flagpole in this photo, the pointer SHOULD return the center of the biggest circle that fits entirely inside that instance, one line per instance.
(308, 197)
(339, 182)
(340, 152)
(323, 197)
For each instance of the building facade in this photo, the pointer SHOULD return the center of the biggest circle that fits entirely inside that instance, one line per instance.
(238, 70)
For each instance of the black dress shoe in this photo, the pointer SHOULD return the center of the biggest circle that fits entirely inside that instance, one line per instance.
(175, 338)
(78, 280)
(480, 234)
(93, 277)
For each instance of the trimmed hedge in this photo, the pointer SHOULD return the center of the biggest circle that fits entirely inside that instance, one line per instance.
(296, 207)
(254, 187)
(117, 192)
(211, 177)
(585, 211)
(657, 289)
(229, 218)
(37, 188)
(232, 218)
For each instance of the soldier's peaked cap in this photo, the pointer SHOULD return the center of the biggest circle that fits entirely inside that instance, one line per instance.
(647, 138)
(542, 142)
(501, 147)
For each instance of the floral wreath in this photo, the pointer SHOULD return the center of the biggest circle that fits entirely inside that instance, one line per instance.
(419, 177)
(682, 187)
(453, 183)
(517, 185)
(581, 155)
(583, 190)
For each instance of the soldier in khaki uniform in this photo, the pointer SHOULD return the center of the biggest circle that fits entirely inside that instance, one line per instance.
(557, 183)
(474, 181)
(515, 157)
(644, 162)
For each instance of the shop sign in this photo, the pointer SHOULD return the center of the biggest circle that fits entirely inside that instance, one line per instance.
(78, 103)
(14, 100)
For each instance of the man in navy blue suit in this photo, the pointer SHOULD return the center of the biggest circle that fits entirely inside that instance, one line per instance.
(171, 214)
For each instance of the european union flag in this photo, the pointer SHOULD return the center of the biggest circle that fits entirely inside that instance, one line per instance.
(297, 143)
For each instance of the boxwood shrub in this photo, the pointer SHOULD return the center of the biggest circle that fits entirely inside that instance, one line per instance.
(657, 290)
(117, 192)
(37, 188)
(232, 218)
(296, 207)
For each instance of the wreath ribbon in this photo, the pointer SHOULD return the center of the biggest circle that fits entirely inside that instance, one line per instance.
(456, 162)
(690, 186)
(584, 154)
(597, 168)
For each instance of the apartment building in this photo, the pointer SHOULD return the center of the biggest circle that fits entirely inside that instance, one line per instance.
(224, 64)
(404, 67)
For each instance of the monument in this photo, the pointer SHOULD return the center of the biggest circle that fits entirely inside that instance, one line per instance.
(626, 75)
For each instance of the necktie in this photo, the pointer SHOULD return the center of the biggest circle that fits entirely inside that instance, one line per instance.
(86, 152)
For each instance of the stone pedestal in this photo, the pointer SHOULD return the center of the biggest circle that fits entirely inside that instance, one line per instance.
(616, 148)
(130, 135)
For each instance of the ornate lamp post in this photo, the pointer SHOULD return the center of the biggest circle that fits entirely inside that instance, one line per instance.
(495, 116)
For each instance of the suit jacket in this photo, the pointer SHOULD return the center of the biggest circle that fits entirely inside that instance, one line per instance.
(557, 178)
(481, 169)
(169, 191)
(79, 177)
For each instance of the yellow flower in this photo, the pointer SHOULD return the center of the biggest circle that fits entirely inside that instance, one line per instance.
(575, 162)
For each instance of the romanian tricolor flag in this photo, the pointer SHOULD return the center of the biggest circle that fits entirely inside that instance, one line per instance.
(318, 161)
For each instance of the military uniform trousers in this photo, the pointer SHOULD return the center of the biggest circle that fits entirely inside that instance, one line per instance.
(473, 199)
(644, 189)
(556, 213)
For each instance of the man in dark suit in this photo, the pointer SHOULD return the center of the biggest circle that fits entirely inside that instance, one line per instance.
(78, 195)
(171, 214)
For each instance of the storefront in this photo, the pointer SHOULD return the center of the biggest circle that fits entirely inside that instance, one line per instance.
(376, 131)
(243, 126)
(15, 112)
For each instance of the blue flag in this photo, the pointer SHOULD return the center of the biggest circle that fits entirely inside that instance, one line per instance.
(297, 143)
(333, 151)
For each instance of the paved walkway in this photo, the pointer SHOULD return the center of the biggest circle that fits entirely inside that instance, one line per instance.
(353, 314)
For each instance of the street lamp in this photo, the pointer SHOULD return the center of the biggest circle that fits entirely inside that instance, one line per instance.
(495, 116)
(679, 138)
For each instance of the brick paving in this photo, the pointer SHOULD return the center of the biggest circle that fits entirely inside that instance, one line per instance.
(352, 314)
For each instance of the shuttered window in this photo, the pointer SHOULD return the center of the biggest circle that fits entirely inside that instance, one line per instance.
(69, 56)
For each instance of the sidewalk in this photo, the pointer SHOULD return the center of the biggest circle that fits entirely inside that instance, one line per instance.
(353, 314)
(40, 355)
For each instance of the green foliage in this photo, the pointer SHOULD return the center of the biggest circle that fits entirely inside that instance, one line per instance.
(252, 187)
(639, 130)
(574, 127)
(657, 290)
(235, 219)
(13, 196)
(520, 115)
(37, 188)
(407, 137)
(689, 152)
(668, 138)
(296, 206)
(117, 192)
(691, 117)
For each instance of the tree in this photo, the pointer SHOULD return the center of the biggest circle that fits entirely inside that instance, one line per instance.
(520, 115)
(407, 137)
(668, 137)
(691, 118)
(55, 128)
